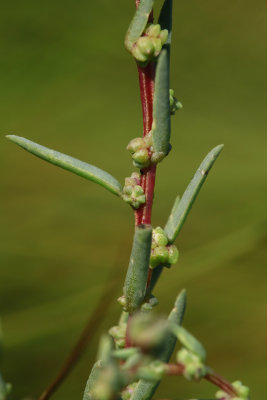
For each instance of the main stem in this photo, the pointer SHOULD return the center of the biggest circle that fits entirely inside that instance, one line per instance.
(146, 84)
(148, 175)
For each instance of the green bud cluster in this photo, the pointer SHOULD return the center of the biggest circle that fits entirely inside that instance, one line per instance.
(194, 367)
(109, 379)
(175, 104)
(148, 332)
(141, 150)
(152, 372)
(118, 332)
(132, 192)
(150, 44)
(149, 304)
(161, 252)
(242, 392)
(126, 394)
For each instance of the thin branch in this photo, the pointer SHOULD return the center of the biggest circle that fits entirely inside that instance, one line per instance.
(212, 377)
(221, 382)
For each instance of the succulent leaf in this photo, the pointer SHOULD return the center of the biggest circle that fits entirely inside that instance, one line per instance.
(69, 163)
(136, 278)
(182, 207)
(165, 19)
(161, 128)
(138, 23)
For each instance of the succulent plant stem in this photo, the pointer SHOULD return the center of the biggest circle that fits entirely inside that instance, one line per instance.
(146, 83)
(212, 377)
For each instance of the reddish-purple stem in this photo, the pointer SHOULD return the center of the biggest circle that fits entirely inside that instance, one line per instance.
(222, 383)
(146, 83)
(143, 214)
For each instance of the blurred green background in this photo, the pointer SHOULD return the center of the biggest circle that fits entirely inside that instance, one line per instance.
(67, 82)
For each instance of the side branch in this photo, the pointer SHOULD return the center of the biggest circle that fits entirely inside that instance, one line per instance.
(212, 377)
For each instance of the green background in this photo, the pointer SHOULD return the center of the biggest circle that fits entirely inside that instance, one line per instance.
(67, 82)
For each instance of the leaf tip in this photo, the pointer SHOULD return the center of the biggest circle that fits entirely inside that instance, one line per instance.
(217, 150)
(9, 137)
(13, 138)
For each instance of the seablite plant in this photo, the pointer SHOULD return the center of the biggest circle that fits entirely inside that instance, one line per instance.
(133, 357)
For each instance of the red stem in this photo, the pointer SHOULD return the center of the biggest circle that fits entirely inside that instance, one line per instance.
(146, 83)
(222, 383)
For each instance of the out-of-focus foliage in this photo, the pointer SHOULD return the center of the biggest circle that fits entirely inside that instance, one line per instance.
(68, 83)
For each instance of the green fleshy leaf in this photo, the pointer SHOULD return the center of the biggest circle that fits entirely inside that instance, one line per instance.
(189, 341)
(136, 278)
(181, 208)
(145, 389)
(93, 378)
(156, 272)
(138, 23)
(165, 19)
(176, 317)
(69, 163)
(161, 128)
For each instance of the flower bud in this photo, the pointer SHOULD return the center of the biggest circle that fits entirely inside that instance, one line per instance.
(138, 191)
(145, 46)
(146, 331)
(141, 157)
(159, 255)
(163, 36)
(120, 343)
(156, 42)
(159, 236)
(122, 301)
(193, 366)
(132, 192)
(137, 177)
(128, 189)
(118, 331)
(174, 103)
(173, 254)
(127, 393)
(242, 392)
(150, 304)
(152, 372)
(138, 55)
(153, 30)
(135, 145)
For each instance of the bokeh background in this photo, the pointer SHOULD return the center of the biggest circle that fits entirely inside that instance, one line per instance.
(68, 83)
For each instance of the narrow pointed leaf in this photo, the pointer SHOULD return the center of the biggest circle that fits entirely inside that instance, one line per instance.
(181, 208)
(156, 272)
(136, 278)
(161, 129)
(69, 163)
(176, 317)
(146, 389)
(138, 23)
(189, 341)
(92, 380)
(165, 19)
